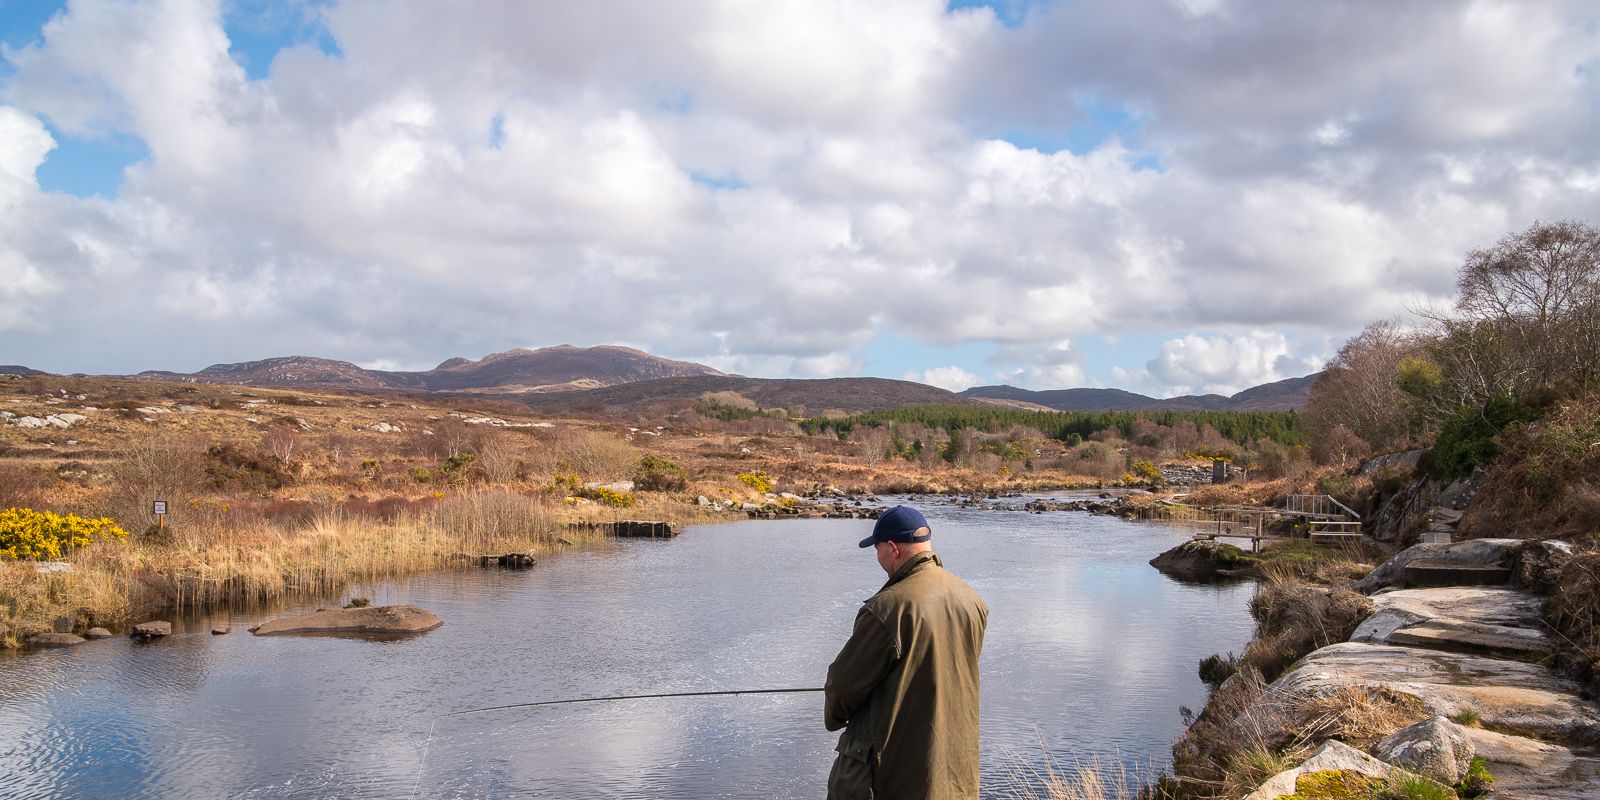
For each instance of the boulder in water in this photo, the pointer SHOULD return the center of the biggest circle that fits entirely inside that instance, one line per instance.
(371, 621)
(54, 640)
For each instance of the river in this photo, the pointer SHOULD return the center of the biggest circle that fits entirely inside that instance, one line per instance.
(1089, 655)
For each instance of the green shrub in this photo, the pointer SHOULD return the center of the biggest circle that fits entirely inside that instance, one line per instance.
(229, 464)
(657, 474)
(1217, 668)
(1466, 440)
(1478, 779)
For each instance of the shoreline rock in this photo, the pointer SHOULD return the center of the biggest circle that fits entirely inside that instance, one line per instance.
(1201, 561)
(401, 620)
(42, 640)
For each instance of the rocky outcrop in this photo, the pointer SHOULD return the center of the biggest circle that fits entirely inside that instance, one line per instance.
(1508, 695)
(1435, 747)
(403, 620)
(1492, 622)
(1200, 561)
(1476, 552)
(1333, 756)
(1460, 653)
(97, 633)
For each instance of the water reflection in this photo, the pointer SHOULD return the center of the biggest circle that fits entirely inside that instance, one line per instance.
(1089, 652)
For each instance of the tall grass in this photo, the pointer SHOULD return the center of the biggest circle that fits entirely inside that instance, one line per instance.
(263, 560)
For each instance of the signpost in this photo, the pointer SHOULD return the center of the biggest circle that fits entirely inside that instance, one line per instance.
(159, 508)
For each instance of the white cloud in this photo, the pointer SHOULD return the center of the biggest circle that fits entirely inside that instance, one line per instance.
(1226, 364)
(953, 378)
(1320, 165)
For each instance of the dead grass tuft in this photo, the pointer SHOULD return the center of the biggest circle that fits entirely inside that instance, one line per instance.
(1573, 613)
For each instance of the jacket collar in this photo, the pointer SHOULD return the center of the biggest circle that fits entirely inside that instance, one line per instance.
(912, 565)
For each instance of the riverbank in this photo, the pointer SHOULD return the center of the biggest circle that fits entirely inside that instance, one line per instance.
(1401, 657)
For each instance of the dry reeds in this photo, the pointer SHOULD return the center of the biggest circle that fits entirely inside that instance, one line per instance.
(1086, 779)
(259, 559)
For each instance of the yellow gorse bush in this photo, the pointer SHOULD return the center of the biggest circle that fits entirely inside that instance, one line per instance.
(25, 533)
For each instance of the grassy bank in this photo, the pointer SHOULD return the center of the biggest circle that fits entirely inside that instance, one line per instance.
(200, 567)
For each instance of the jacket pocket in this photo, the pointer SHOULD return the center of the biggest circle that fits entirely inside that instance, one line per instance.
(851, 778)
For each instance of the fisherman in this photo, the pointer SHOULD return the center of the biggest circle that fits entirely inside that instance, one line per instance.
(905, 686)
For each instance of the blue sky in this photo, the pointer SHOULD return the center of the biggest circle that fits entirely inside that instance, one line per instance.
(1167, 196)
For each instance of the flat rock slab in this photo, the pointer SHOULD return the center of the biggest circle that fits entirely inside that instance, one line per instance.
(1488, 606)
(1509, 695)
(1475, 620)
(151, 630)
(1521, 763)
(55, 640)
(1466, 637)
(372, 621)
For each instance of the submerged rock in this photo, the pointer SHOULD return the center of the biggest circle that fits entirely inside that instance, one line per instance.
(1434, 747)
(377, 620)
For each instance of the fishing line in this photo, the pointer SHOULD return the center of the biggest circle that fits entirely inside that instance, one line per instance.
(427, 743)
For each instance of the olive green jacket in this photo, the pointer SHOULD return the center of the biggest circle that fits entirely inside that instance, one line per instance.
(905, 689)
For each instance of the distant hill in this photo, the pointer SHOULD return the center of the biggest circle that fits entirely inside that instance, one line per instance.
(18, 369)
(850, 395)
(559, 368)
(1282, 395)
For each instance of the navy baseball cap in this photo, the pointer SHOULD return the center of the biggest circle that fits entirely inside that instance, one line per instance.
(898, 524)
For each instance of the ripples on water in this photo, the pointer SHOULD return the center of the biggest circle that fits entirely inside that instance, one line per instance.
(1089, 654)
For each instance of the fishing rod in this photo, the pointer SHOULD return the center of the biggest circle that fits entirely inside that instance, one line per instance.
(423, 766)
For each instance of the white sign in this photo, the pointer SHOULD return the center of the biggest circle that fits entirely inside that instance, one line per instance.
(159, 507)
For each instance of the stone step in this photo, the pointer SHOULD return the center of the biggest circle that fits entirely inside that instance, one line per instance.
(1485, 640)
(1438, 572)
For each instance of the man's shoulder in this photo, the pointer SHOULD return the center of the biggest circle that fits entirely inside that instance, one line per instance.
(932, 580)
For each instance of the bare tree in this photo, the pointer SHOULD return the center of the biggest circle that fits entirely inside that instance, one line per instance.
(281, 441)
(1527, 312)
(1361, 392)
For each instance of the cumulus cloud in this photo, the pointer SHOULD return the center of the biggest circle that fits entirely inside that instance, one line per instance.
(1226, 364)
(953, 378)
(759, 187)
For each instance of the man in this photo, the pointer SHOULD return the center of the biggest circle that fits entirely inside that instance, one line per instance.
(905, 687)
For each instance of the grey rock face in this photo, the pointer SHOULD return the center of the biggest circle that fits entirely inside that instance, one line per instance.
(151, 630)
(1473, 552)
(1506, 694)
(1434, 747)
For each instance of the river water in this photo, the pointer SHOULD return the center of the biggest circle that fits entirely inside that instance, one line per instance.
(1090, 653)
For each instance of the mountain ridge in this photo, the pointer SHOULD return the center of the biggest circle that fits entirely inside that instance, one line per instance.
(1286, 395)
(520, 370)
